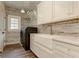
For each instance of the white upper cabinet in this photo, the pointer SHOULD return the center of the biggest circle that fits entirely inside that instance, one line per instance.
(45, 13)
(63, 10)
(55, 11)
(76, 9)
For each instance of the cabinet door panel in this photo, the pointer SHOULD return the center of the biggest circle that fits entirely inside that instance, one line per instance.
(68, 50)
(44, 10)
(74, 51)
(59, 54)
(61, 49)
(76, 9)
(43, 52)
(62, 10)
(44, 41)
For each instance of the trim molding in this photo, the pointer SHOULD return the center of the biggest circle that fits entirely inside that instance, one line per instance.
(12, 43)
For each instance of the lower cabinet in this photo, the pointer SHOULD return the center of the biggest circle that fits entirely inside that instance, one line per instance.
(55, 48)
(40, 49)
(66, 50)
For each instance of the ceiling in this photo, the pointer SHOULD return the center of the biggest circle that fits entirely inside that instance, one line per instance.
(28, 5)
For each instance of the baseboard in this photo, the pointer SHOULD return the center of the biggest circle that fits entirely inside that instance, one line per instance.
(12, 43)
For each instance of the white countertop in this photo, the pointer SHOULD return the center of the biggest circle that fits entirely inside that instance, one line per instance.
(63, 38)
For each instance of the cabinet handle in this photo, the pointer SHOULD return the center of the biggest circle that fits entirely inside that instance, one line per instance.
(2, 32)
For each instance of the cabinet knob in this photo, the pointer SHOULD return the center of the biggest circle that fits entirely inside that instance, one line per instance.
(2, 32)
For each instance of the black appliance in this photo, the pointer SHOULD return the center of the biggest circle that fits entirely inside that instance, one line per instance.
(25, 36)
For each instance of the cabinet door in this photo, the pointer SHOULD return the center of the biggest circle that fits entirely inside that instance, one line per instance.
(76, 9)
(42, 52)
(61, 49)
(73, 50)
(46, 42)
(44, 10)
(2, 26)
(62, 10)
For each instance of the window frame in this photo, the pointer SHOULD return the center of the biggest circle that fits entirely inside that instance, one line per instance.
(9, 22)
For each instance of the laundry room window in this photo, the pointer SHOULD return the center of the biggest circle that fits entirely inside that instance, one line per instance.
(14, 22)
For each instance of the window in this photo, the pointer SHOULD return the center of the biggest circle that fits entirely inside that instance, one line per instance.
(13, 22)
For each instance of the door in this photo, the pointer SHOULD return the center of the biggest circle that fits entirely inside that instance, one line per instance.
(2, 26)
(2, 34)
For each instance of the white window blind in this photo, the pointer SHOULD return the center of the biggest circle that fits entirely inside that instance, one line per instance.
(14, 22)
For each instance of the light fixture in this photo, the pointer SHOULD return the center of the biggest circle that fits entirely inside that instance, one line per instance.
(22, 11)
